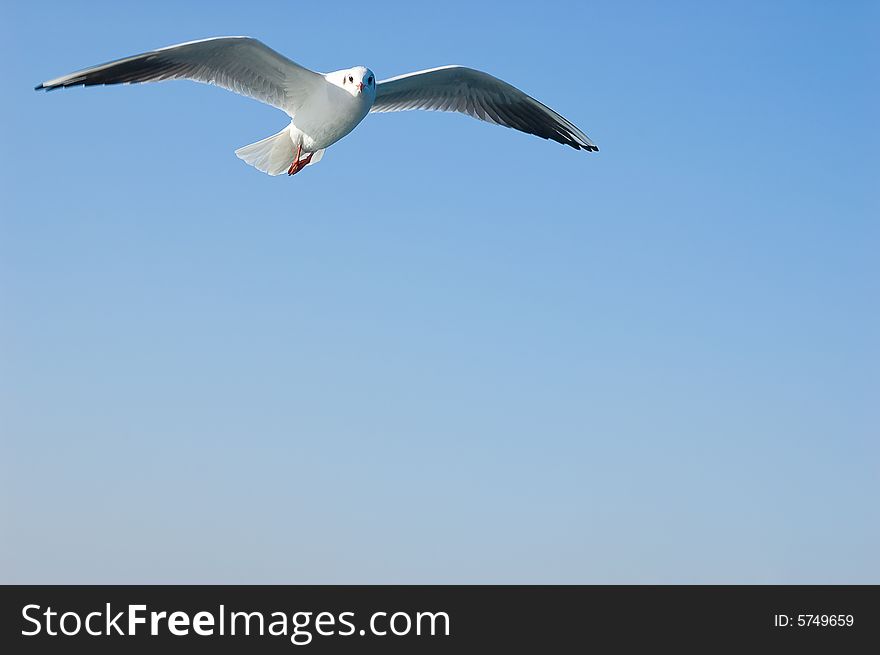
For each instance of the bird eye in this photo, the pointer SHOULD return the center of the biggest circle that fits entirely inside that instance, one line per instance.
(370, 79)
(350, 78)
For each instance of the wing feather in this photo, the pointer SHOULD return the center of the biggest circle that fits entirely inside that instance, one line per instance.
(480, 95)
(236, 63)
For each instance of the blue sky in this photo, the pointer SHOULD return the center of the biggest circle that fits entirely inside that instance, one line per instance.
(450, 352)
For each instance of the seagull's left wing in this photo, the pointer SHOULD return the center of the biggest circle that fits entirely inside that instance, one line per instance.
(237, 63)
(477, 94)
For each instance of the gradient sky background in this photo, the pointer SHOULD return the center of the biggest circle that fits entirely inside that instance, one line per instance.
(450, 352)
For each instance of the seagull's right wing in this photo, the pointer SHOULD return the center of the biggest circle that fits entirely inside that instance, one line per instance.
(237, 63)
(478, 94)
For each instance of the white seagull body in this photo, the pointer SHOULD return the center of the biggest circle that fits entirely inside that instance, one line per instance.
(324, 108)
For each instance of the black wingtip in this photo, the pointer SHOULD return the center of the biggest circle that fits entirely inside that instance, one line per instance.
(38, 87)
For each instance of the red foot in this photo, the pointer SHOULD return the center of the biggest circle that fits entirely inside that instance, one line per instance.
(299, 164)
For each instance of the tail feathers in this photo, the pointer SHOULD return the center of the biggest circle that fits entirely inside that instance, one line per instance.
(272, 155)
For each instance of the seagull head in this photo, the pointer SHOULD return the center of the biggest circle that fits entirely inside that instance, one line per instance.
(357, 81)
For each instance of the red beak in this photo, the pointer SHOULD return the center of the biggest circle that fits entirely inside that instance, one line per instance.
(360, 86)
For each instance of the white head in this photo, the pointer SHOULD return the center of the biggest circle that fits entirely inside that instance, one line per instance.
(357, 81)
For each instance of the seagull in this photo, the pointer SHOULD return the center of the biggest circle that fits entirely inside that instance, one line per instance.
(325, 107)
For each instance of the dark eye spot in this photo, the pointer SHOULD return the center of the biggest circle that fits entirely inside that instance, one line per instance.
(350, 78)
(370, 79)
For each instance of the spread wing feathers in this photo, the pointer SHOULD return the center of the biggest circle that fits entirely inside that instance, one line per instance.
(237, 63)
(477, 94)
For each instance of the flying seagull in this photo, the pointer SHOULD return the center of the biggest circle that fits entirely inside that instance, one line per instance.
(323, 108)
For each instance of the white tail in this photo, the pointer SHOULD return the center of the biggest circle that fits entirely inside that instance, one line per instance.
(274, 154)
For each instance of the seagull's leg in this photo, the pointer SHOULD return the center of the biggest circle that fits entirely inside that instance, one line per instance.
(294, 167)
(298, 163)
